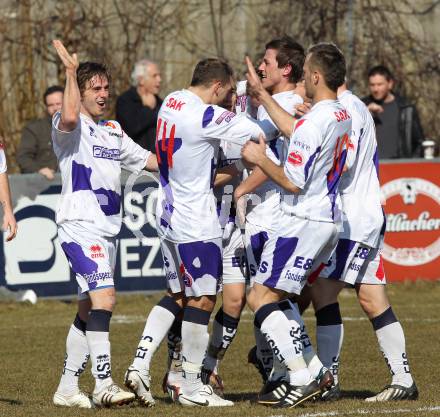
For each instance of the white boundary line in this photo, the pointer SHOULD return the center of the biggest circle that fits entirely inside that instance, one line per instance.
(364, 411)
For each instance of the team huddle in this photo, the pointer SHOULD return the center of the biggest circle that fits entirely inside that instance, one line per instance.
(269, 195)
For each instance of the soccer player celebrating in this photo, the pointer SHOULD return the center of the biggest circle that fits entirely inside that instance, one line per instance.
(91, 153)
(357, 261)
(190, 128)
(310, 177)
(281, 69)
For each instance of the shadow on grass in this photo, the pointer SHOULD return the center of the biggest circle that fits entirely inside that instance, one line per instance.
(357, 395)
(10, 401)
(235, 397)
(241, 396)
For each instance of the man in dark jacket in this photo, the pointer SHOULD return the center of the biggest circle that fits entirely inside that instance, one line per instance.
(35, 153)
(137, 108)
(398, 129)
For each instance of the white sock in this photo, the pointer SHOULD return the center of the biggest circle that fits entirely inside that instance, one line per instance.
(77, 356)
(310, 357)
(195, 340)
(392, 344)
(97, 334)
(158, 323)
(99, 346)
(284, 337)
(329, 337)
(329, 340)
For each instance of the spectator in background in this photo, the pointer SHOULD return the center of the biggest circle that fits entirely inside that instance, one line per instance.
(35, 153)
(137, 108)
(398, 130)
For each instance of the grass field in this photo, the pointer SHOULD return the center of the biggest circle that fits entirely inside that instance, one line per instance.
(32, 350)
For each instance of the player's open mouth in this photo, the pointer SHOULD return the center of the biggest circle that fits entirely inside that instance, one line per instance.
(101, 104)
(261, 74)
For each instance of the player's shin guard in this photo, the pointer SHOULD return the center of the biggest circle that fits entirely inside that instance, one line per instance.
(391, 340)
(329, 337)
(284, 337)
(291, 311)
(77, 356)
(223, 332)
(158, 323)
(195, 339)
(97, 333)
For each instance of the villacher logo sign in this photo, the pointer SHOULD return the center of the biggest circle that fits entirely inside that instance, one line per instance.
(413, 221)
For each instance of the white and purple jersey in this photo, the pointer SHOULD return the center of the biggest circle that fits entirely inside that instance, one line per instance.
(315, 161)
(359, 187)
(189, 132)
(3, 164)
(90, 159)
(265, 200)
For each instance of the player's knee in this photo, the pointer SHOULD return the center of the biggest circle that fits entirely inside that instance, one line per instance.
(104, 300)
(371, 306)
(324, 292)
(205, 302)
(233, 305)
(260, 295)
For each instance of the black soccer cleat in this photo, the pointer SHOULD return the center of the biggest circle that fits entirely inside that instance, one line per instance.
(333, 394)
(396, 392)
(289, 396)
(270, 385)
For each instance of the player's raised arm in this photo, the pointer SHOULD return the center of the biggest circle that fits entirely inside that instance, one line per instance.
(72, 96)
(284, 121)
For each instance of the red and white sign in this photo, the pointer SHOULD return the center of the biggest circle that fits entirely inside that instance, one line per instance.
(411, 194)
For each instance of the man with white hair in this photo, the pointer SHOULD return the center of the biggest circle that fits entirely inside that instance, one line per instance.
(137, 108)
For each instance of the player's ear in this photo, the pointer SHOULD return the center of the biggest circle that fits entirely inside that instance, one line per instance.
(218, 87)
(287, 70)
(315, 77)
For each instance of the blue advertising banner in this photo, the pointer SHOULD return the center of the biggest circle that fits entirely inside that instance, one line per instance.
(35, 260)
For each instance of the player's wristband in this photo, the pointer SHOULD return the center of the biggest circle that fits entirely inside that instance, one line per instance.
(239, 165)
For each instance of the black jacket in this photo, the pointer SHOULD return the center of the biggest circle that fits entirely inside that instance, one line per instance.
(35, 150)
(137, 120)
(410, 129)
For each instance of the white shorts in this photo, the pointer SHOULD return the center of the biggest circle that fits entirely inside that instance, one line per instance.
(255, 237)
(234, 255)
(193, 267)
(297, 249)
(92, 258)
(355, 263)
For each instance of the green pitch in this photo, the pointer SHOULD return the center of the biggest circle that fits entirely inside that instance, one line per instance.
(32, 351)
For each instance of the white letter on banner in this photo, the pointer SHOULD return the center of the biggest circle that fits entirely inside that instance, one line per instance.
(126, 257)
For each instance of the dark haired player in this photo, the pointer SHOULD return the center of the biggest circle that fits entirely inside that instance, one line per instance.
(91, 153)
(305, 234)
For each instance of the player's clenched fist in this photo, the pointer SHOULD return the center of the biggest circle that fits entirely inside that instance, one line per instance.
(254, 152)
(70, 61)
